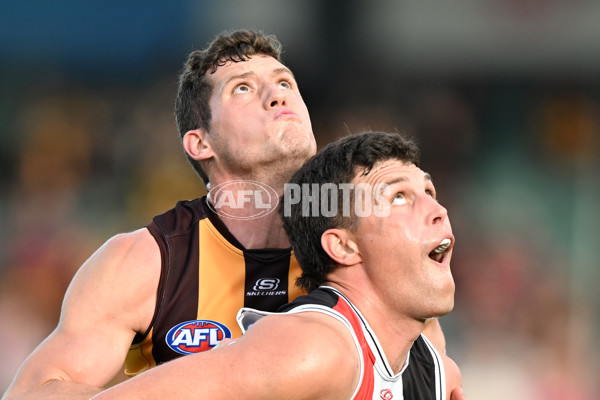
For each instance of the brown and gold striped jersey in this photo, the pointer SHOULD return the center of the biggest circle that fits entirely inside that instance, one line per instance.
(206, 277)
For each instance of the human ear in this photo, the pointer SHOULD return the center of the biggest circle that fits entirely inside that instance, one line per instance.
(341, 247)
(196, 145)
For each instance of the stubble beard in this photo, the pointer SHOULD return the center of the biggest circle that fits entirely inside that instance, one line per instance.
(273, 165)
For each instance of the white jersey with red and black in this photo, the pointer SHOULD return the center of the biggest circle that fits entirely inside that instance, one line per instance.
(421, 378)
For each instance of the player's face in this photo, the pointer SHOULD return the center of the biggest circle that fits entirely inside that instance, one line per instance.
(397, 249)
(258, 116)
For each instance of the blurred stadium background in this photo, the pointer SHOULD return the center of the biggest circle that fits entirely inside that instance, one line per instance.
(502, 95)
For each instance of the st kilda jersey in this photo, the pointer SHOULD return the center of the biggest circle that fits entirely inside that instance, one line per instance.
(421, 378)
(206, 277)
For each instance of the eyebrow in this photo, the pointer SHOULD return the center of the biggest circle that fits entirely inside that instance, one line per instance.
(283, 70)
(275, 72)
(396, 180)
(238, 76)
(426, 177)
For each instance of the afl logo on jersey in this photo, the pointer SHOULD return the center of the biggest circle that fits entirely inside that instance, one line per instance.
(195, 336)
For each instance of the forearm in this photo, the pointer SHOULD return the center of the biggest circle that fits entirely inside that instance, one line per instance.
(171, 380)
(52, 390)
(52, 372)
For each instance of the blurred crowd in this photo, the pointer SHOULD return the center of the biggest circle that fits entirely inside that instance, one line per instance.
(515, 160)
(90, 162)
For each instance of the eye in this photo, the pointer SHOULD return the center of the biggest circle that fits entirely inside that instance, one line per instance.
(398, 199)
(431, 193)
(285, 84)
(241, 89)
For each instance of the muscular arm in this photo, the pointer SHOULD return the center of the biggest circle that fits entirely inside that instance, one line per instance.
(453, 379)
(278, 358)
(111, 298)
(433, 332)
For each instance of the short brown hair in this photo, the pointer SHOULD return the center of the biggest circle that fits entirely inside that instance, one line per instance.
(192, 109)
(336, 163)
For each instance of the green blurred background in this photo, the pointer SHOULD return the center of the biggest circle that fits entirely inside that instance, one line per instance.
(502, 95)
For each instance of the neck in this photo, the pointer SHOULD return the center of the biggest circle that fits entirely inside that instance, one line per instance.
(395, 331)
(249, 209)
(397, 340)
(260, 233)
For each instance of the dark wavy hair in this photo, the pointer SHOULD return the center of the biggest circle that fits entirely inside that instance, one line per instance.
(192, 109)
(337, 163)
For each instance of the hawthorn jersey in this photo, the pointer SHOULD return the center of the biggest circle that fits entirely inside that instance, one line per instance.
(421, 378)
(206, 277)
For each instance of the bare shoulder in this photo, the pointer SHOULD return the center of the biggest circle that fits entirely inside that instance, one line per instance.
(133, 255)
(121, 277)
(111, 297)
(135, 248)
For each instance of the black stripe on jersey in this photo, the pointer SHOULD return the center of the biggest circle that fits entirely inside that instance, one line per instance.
(419, 378)
(438, 362)
(318, 296)
(266, 281)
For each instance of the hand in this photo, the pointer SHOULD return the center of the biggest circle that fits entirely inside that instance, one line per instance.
(226, 342)
(457, 394)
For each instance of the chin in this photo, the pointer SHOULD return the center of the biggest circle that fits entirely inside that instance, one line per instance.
(443, 306)
(446, 307)
(299, 140)
(297, 155)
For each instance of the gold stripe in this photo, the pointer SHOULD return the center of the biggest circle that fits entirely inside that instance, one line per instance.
(221, 278)
(139, 357)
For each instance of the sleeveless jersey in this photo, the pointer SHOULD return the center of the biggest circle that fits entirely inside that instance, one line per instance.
(421, 378)
(206, 277)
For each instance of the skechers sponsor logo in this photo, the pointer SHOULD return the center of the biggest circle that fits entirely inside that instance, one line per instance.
(196, 336)
(266, 287)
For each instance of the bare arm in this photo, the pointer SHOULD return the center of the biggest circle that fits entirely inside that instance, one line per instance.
(111, 298)
(304, 356)
(453, 379)
(433, 332)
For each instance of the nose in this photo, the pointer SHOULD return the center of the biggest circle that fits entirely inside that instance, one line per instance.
(438, 213)
(275, 97)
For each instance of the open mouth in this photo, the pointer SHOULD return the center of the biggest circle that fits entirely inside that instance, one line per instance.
(439, 253)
